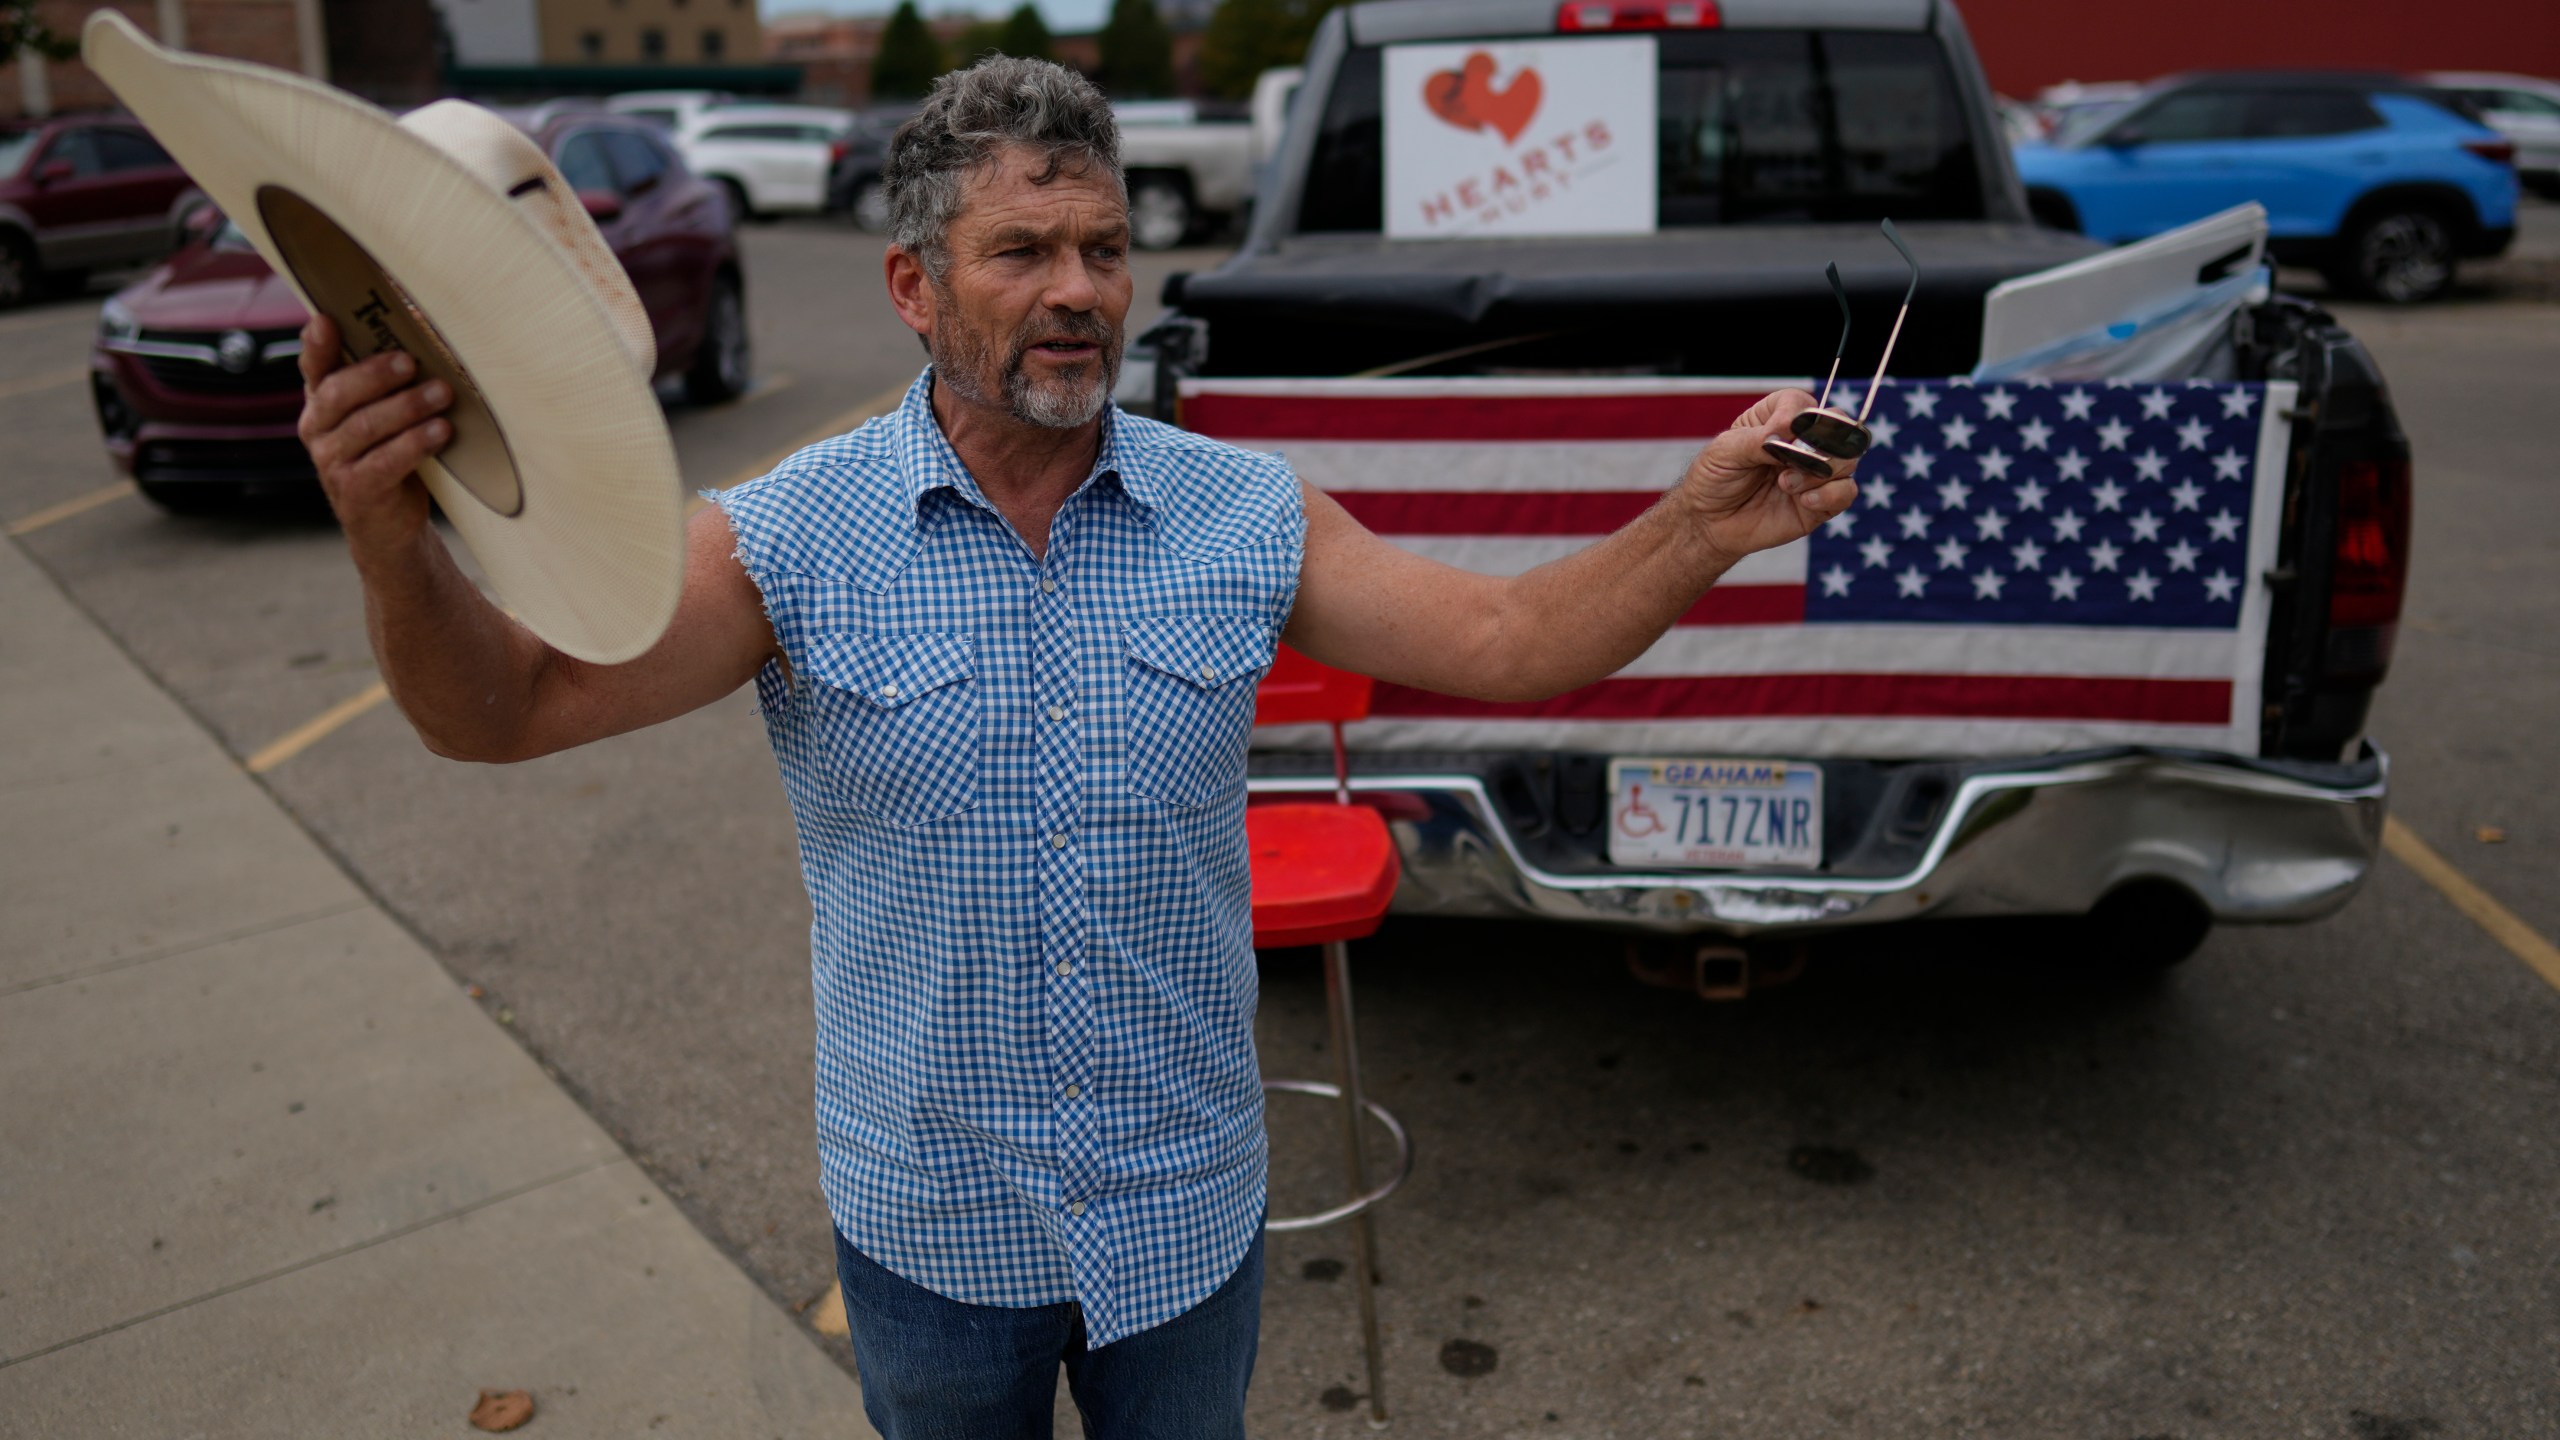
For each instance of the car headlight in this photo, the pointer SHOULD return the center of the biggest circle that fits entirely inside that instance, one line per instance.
(115, 322)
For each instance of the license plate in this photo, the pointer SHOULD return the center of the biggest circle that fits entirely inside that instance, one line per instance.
(1715, 812)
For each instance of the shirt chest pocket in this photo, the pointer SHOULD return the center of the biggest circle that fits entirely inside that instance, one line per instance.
(1191, 688)
(897, 722)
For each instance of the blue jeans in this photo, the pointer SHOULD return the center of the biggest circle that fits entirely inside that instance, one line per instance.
(937, 1369)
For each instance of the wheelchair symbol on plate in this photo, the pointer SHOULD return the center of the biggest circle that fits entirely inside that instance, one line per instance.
(1636, 819)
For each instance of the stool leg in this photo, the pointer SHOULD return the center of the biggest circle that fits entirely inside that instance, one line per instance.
(1364, 1243)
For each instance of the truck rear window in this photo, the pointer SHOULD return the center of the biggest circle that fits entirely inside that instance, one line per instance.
(1763, 126)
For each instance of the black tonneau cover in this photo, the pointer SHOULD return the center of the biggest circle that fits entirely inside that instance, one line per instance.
(1337, 304)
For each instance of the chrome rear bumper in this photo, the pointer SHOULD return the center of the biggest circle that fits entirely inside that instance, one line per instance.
(2255, 842)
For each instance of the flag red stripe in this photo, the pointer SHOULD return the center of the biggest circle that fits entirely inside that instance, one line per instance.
(1462, 417)
(1601, 512)
(1747, 605)
(1500, 512)
(1954, 697)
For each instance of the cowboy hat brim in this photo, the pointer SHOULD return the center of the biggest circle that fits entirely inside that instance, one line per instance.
(560, 476)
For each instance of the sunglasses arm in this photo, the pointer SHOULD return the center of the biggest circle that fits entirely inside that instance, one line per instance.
(1869, 403)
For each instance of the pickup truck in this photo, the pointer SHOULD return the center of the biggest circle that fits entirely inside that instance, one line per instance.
(1192, 168)
(1786, 130)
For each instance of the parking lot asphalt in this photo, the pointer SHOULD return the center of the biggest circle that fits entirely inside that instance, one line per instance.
(2302, 1187)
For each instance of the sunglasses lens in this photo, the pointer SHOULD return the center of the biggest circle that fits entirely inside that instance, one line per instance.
(1832, 433)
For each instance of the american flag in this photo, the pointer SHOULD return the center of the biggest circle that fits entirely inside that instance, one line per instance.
(2029, 567)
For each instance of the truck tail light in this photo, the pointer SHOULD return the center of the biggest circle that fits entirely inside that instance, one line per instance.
(2496, 152)
(2369, 570)
(837, 151)
(1576, 16)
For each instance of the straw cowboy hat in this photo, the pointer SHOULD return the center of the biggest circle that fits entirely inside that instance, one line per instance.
(448, 234)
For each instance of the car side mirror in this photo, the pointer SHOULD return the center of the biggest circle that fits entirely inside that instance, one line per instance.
(2127, 137)
(201, 223)
(602, 205)
(53, 171)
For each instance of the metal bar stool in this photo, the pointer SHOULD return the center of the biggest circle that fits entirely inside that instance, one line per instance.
(1323, 873)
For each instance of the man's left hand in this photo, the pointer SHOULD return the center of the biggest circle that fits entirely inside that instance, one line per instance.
(1748, 502)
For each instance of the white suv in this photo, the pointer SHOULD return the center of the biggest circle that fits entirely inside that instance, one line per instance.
(771, 158)
(669, 110)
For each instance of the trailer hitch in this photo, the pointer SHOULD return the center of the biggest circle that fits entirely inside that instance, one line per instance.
(1717, 971)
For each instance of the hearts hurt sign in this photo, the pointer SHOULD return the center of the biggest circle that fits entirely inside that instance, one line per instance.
(1541, 137)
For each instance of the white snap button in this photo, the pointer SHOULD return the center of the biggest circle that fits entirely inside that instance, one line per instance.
(1075, 1207)
(1057, 712)
(1075, 1092)
(1210, 675)
(1048, 586)
(1066, 969)
(1058, 841)
(888, 692)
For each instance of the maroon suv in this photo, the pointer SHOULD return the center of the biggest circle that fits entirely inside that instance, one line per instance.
(196, 367)
(81, 193)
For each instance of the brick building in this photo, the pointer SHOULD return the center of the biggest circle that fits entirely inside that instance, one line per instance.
(649, 32)
(385, 50)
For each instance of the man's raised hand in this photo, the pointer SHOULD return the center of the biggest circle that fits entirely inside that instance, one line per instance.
(1748, 502)
(367, 427)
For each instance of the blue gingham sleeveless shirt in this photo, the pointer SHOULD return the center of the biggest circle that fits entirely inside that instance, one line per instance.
(1019, 787)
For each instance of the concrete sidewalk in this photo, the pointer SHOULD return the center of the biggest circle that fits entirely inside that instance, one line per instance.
(264, 1169)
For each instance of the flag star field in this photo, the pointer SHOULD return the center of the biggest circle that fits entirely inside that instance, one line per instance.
(2045, 504)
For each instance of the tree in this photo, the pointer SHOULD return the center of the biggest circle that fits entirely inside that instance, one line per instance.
(983, 37)
(21, 28)
(1247, 37)
(910, 58)
(1137, 51)
(1019, 34)
(1025, 34)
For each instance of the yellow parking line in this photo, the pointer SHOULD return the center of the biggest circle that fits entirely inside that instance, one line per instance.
(2521, 940)
(826, 1314)
(880, 404)
(770, 385)
(78, 505)
(82, 314)
(316, 729)
(11, 389)
(319, 727)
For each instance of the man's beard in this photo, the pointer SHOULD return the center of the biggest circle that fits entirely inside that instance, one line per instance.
(1073, 395)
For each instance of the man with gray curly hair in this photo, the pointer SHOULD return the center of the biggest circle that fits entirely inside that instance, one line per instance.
(1005, 642)
(1055, 125)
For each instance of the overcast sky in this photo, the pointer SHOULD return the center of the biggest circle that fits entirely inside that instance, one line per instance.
(1064, 16)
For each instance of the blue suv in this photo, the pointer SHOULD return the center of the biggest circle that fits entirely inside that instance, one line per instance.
(2376, 182)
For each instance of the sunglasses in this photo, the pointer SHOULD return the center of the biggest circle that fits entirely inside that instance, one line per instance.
(1824, 437)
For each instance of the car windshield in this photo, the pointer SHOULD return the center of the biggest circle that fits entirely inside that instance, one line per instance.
(1755, 126)
(14, 145)
(2079, 124)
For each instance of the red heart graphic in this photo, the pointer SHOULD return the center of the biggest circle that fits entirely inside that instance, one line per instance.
(1446, 92)
(1465, 97)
